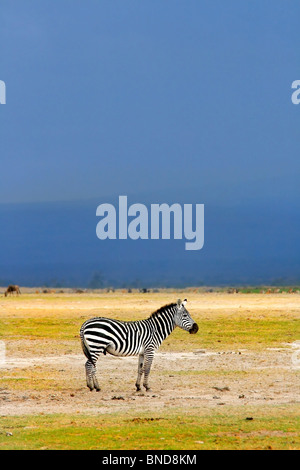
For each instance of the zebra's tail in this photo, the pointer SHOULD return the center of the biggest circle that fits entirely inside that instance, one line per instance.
(85, 346)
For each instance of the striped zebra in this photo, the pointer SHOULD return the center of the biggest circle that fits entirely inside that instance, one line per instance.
(132, 338)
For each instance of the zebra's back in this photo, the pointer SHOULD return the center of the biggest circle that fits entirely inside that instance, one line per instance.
(119, 338)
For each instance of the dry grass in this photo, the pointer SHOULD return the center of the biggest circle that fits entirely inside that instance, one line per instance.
(244, 343)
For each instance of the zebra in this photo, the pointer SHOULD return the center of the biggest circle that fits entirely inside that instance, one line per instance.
(132, 338)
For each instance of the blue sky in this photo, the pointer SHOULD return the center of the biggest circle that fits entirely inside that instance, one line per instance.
(118, 97)
(161, 101)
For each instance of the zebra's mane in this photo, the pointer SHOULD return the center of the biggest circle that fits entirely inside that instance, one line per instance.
(162, 310)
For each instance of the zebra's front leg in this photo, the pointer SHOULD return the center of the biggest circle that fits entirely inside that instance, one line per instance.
(147, 366)
(140, 372)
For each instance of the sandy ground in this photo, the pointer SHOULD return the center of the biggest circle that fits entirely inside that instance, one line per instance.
(197, 380)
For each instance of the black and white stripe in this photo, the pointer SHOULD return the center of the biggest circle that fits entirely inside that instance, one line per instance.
(142, 338)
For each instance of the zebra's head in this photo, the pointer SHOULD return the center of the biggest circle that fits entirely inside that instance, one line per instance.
(183, 319)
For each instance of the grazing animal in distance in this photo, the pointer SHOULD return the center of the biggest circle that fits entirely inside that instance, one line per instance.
(11, 289)
(131, 338)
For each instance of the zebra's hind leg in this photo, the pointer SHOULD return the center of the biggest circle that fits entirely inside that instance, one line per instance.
(140, 372)
(96, 384)
(89, 367)
(91, 379)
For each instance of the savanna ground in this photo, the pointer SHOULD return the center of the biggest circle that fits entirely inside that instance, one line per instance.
(233, 385)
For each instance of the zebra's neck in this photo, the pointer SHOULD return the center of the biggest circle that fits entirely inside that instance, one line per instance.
(163, 322)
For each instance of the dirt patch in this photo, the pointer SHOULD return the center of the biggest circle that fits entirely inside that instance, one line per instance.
(200, 379)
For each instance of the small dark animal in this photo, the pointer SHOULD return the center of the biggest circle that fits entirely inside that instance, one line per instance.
(11, 289)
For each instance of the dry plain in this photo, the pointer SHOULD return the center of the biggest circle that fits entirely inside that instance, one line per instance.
(235, 384)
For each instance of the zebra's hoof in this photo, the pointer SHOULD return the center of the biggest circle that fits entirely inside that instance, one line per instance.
(138, 388)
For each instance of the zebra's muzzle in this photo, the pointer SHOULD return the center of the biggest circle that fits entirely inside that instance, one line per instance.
(194, 329)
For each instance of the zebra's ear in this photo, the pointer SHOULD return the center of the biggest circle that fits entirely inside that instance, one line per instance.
(180, 303)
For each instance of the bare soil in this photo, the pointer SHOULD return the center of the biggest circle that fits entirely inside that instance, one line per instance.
(201, 379)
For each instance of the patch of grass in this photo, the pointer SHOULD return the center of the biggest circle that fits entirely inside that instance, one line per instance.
(219, 332)
(236, 332)
(245, 429)
(269, 290)
(34, 379)
(39, 328)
